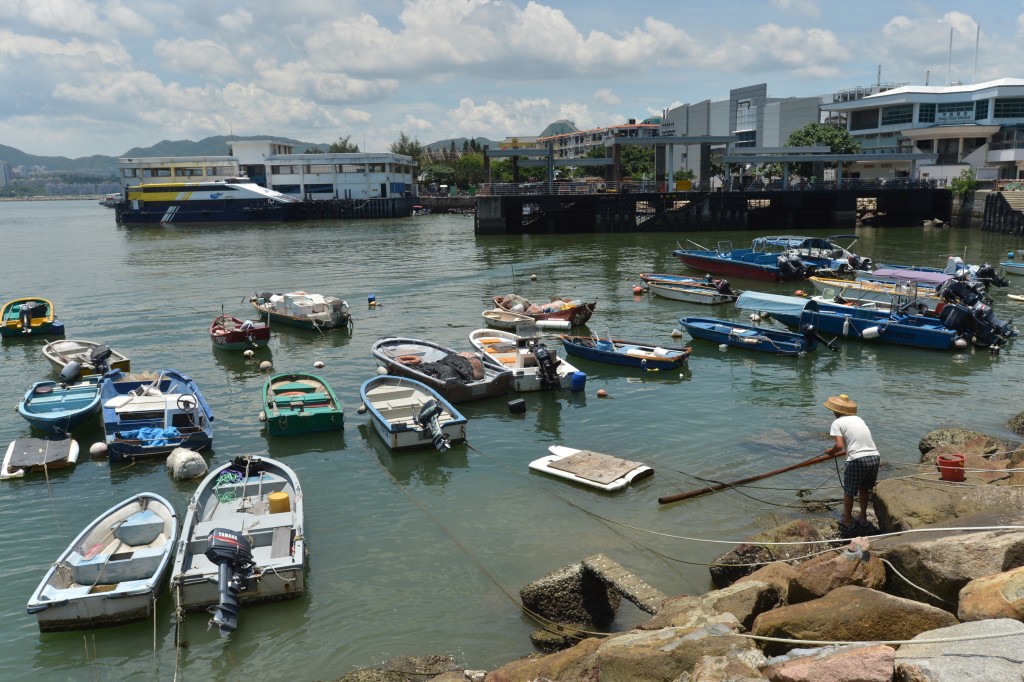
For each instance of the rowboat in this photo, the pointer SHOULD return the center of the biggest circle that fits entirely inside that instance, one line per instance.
(625, 353)
(409, 414)
(37, 455)
(242, 540)
(302, 309)
(506, 319)
(575, 311)
(231, 333)
(300, 403)
(58, 408)
(113, 571)
(456, 376)
(750, 337)
(148, 415)
(693, 293)
(534, 366)
(29, 316)
(592, 469)
(1013, 268)
(90, 357)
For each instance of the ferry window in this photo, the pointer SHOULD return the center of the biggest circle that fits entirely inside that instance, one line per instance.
(926, 113)
(1009, 107)
(864, 120)
(162, 172)
(903, 113)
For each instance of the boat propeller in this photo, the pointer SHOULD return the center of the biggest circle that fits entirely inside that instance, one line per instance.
(546, 364)
(232, 555)
(811, 333)
(427, 417)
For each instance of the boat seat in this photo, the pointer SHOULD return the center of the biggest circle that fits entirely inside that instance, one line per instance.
(141, 528)
(281, 543)
(294, 386)
(118, 567)
(304, 399)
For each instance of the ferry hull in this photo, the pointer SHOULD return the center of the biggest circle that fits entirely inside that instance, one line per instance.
(163, 212)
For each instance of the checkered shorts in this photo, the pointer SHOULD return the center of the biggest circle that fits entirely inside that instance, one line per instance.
(860, 473)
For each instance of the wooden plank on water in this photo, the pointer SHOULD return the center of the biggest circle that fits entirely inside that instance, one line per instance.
(595, 466)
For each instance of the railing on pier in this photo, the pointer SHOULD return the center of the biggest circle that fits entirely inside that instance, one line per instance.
(561, 187)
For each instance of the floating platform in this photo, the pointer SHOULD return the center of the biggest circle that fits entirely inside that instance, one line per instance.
(592, 469)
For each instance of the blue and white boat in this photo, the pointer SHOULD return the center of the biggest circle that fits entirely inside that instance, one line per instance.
(625, 353)
(955, 267)
(57, 408)
(1013, 268)
(776, 258)
(148, 415)
(408, 414)
(205, 201)
(752, 337)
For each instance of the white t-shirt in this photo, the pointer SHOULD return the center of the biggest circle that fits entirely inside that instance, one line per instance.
(856, 435)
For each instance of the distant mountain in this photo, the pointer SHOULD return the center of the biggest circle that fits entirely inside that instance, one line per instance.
(212, 146)
(459, 141)
(16, 157)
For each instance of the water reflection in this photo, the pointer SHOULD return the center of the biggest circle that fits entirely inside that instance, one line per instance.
(280, 447)
(238, 365)
(421, 465)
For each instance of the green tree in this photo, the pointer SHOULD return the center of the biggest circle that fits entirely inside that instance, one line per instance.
(637, 161)
(403, 145)
(684, 174)
(964, 186)
(441, 173)
(836, 138)
(343, 146)
(469, 170)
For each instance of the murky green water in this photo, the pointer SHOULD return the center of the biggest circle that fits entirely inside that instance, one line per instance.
(424, 553)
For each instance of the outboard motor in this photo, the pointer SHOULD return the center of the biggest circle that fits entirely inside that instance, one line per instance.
(546, 365)
(791, 266)
(98, 357)
(71, 373)
(987, 274)
(25, 317)
(811, 335)
(722, 287)
(427, 418)
(990, 330)
(958, 291)
(232, 555)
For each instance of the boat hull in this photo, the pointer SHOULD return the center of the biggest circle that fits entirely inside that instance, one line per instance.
(230, 333)
(56, 409)
(626, 353)
(703, 295)
(404, 357)
(294, 404)
(871, 325)
(577, 315)
(200, 211)
(34, 455)
(60, 353)
(393, 401)
(515, 353)
(42, 322)
(775, 342)
(560, 452)
(734, 268)
(343, 321)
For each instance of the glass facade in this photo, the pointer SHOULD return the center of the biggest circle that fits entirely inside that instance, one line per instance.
(1009, 107)
(902, 113)
(926, 113)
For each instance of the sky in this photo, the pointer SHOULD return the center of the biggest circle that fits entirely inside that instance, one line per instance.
(84, 77)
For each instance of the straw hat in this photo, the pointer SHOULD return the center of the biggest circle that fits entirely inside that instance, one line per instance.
(842, 404)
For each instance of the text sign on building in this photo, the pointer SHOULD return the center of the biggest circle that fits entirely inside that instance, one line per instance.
(947, 117)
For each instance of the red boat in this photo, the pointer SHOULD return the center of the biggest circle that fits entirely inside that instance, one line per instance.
(231, 333)
(576, 312)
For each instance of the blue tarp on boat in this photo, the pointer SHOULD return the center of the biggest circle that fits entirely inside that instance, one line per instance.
(153, 436)
(775, 304)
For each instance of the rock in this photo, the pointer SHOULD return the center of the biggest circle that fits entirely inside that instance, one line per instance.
(943, 562)
(905, 503)
(185, 465)
(724, 572)
(724, 669)
(970, 659)
(779, 574)
(857, 663)
(572, 595)
(958, 436)
(405, 668)
(1016, 424)
(849, 614)
(993, 596)
(742, 600)
(818, 576)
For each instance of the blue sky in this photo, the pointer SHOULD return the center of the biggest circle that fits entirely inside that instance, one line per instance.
(82, 77)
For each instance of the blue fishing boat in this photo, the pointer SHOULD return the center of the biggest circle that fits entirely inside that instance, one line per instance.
(776, 258)
(410, 414)
(625, 353)
(58, 408)
(752, 337)
(148, 415)
(956, 326)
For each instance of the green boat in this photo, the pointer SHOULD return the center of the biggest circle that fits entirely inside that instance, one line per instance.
(300, 403)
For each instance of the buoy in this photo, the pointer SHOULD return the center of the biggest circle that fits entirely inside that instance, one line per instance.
(1010, 254)
(846, 326)
(578, 381)
(870, 333)
(319, 364)
(98, 449)
(723, 346)
(371, 299)
(249, 353)
(638, 289)
(601, 393)
(960, 343)
(755, 318)
(266, 366)
(799, 292)
(263, 416)
(517, 406)
(382, 371)
(676, 333)
(533, 278)
(361, 409)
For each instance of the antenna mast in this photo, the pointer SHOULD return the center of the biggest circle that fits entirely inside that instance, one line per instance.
(949, 60)
(977, 41)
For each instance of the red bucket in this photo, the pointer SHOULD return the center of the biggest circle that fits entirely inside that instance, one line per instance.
(951, 467)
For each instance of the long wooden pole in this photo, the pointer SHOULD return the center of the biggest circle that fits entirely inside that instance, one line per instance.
(666, 499)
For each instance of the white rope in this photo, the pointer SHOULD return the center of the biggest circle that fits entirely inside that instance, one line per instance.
(912, 584)
(888, 642)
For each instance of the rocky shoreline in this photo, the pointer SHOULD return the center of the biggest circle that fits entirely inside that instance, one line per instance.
(938, 595)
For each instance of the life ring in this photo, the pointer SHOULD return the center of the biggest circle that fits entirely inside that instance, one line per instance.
(409, 359)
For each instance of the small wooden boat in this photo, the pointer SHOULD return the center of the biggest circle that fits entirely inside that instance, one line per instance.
(242, 540)
(626, 353)
(506, 319)
(456, 376)
(302, 309)
(408, 414)
(113, 571)
(534, 366)
(300, 403)
(91, 357)
(32, 455)
(231, 333)
(593, 469)
(693, 293)
(575, 311)
(1013, 267)
(58, 407)
(148, 415)
(29, 316)
(750, 337)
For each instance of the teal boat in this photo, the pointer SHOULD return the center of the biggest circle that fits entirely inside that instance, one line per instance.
(57, 408)
(300, 403)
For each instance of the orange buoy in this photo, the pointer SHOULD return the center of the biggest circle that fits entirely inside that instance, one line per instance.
(638, 289)
(601, 393)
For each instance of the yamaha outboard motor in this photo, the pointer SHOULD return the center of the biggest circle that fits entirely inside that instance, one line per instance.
(722, 287)
(811, 335)
(71, 373)
(232, 555)
(987, 274)
(546, 364)
(98, 356)
(25, 316)
(958, 291)
(791, 266)
(427, 417)
(978, 323)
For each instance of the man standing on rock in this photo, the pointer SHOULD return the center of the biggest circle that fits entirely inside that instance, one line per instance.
(853, 438)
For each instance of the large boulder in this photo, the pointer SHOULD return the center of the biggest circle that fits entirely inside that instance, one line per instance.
(744, 600)
(905, 503)
(853, 565)
(968, 651)
(942, 562)
(849, 614)
(779, 574)
(960, 437)
(572, 595)
(745, 558)
(993, 596)
(853, 663)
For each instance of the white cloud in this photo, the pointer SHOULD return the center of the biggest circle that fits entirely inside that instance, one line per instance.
(606, 96)
(62, 16)
(239, 20)
(124, 18)
(55, 56)
(189, 55)
(806, 7)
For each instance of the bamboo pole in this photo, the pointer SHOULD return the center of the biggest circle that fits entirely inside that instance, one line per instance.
(667, 499)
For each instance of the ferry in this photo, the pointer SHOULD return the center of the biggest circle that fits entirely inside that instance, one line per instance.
(215, 201)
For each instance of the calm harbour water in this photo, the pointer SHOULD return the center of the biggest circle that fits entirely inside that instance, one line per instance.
(420, 552)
